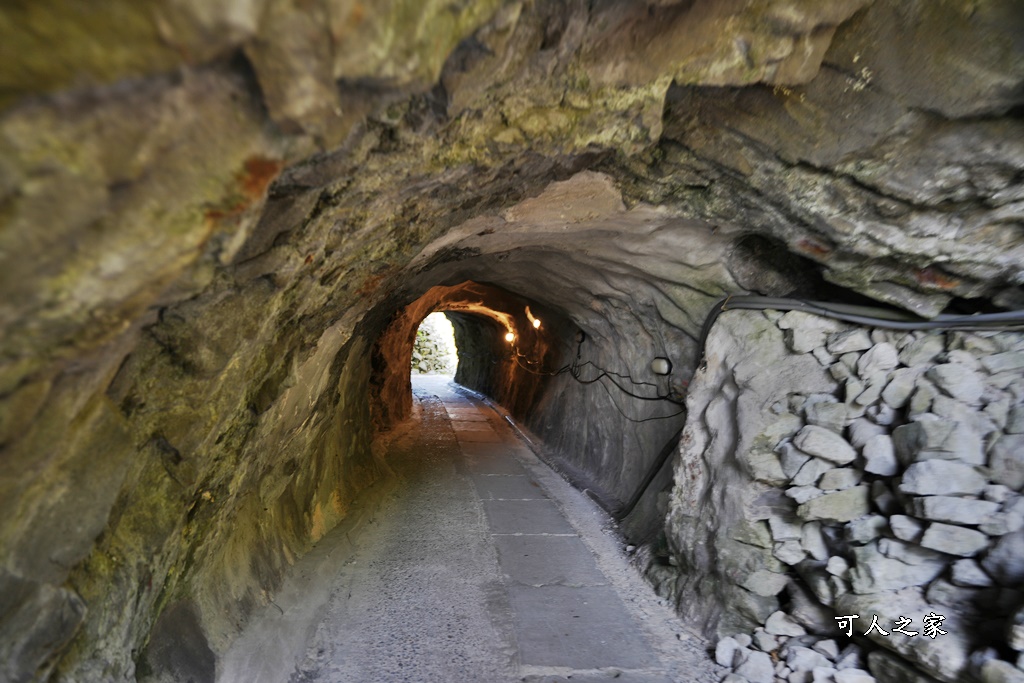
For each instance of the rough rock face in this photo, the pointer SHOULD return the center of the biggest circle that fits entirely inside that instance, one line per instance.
(215, 215)
(852, 478)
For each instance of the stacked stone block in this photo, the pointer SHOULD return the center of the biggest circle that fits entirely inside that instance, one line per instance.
(904, 500)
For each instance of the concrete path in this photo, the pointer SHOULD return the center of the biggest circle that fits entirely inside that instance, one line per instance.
(483, 565)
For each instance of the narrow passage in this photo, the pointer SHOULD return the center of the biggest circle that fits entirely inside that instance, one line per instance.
(484, 565)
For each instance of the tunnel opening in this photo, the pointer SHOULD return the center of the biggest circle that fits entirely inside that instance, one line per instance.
(501, 353)
(435, 351)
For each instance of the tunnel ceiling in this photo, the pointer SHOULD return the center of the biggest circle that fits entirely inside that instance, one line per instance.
(893, 164)
(211, 212)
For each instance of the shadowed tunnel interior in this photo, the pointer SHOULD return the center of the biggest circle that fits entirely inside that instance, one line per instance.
(221, 223)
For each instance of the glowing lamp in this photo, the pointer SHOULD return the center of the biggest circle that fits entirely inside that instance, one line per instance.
(536, 322)
(661, 366)
(510, 337)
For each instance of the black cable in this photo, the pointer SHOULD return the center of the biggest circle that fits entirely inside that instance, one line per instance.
(858, 314)
(633, 419)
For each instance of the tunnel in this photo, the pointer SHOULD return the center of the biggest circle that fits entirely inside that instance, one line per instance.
(738, 295)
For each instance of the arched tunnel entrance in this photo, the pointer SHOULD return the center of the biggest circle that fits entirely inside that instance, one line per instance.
(514, 354)
(435, 350)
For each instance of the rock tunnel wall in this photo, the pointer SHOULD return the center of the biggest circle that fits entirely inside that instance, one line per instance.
(828, 470)
(212, 213)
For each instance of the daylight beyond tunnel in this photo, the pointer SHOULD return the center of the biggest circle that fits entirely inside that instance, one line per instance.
(222, 222)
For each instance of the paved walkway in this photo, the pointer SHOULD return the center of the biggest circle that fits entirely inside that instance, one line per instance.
(484, 566)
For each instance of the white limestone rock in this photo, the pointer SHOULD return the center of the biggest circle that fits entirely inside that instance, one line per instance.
(881, 414)
(784, 528)
(828, 648)
(802, 494)
(811, 472)
(765, 583)
(906, 528)
(805, 659)
(805, 609)
(862, 429)
(840, 372)
(880, 456)
(856, 339)
(1007, 520)
(932, 437)
(782, 427)
(874, 572)
(839, 478)
(961, 357)
(853, 676)
(998, 671)
(823, 674)
(951, 410)
(1015, 420)
(1006, 461)
(1004, 362)
(755, 533)
(837, 566)
(997, 493)
(1001, 523)
(824, 443)
(941, 477)
(822, 356)
(900, 387)
(958, 381)
(946, 656)
(842, 506)
(921, 400)
(872, 390)
(866, 529)
(954, 540)
(1005, 562)
(973, 343)
(805, 331)
(755, 666)
(922, 351)
(813, 541)
(880, 358)
(725, 651)
(792, 459)
(766, 467)
(952, 509)
(997, 409)
(968, 573)
(764, 641)
(831, 416)
(781, 624)
(909, 552)
(789, 552)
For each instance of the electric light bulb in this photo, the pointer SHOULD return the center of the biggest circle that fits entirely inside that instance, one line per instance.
(510, 337)
(536, 322)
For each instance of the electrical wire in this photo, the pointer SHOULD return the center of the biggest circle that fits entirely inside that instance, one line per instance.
(863, 315)
(574, 371)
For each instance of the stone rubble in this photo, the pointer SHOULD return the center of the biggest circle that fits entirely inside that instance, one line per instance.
(906, 498)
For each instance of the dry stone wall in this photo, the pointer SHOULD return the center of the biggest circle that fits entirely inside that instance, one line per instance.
(829, 470)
